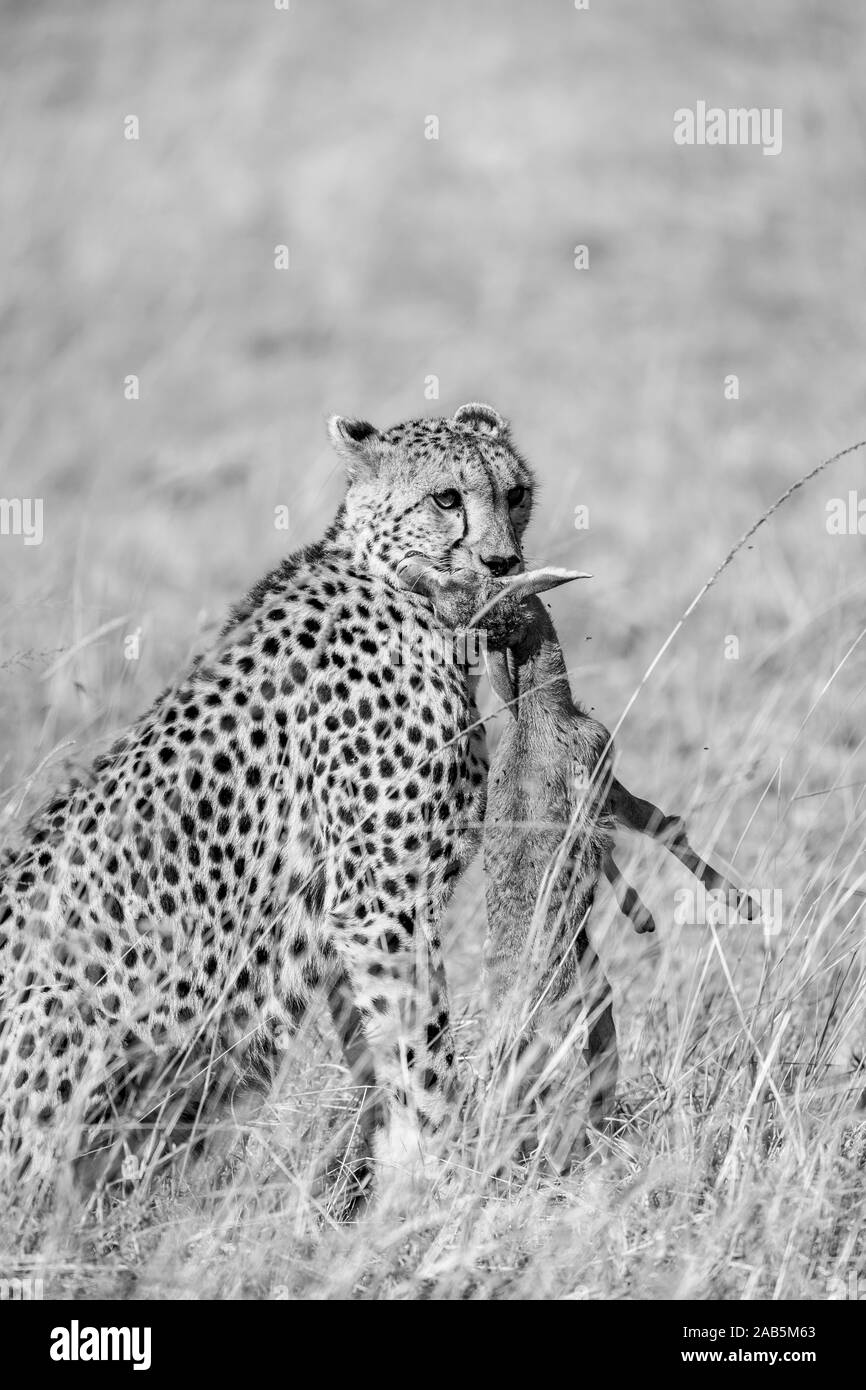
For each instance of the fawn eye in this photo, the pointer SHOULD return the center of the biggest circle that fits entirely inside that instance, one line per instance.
(516, 495)
(447, 500)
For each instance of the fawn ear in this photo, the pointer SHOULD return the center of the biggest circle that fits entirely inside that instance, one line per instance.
(521, 585)
(539, 581)
(483, 418)
(358, 443)
(500, 677)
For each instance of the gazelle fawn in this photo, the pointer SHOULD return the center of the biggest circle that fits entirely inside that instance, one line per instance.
(553, 805)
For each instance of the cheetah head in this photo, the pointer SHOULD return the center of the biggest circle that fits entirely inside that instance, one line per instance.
(450, 494)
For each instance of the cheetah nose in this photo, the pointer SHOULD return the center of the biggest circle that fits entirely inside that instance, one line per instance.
(500, 564)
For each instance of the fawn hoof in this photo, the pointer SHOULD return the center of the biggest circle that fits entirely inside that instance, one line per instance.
(749, 907)
(643, 921)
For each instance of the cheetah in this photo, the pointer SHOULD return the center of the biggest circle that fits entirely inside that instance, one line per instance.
(286, 823)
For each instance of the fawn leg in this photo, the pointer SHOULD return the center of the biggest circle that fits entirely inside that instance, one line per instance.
(515, 1060)
(670, 831)
(601, 1054)
(630, 904)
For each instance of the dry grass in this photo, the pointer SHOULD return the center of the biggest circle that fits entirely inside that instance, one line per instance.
(740, 1174)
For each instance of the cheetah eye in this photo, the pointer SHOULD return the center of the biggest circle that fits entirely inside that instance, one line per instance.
(516, 495)
(447, 500)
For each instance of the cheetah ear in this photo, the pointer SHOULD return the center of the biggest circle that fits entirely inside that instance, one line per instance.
(358, 443)
(501, 682)
(476, 416)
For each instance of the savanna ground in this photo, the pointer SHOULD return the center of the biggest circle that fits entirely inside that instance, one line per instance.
(740, 1174)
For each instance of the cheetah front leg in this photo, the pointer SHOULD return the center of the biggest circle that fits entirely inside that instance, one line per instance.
(391, 1010)
(349, 1025)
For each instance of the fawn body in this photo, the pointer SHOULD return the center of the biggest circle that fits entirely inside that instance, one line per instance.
(547, 836)
(552, 807)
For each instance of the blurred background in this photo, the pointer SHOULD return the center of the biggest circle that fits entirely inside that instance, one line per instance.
(423, 273)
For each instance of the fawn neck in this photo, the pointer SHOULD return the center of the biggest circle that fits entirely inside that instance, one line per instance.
(540, 678)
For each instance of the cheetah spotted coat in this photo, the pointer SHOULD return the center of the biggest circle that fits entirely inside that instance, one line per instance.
(289, 820)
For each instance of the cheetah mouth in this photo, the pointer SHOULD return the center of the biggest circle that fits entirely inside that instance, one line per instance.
(519, 586)
(417, 573)
(481, 592)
